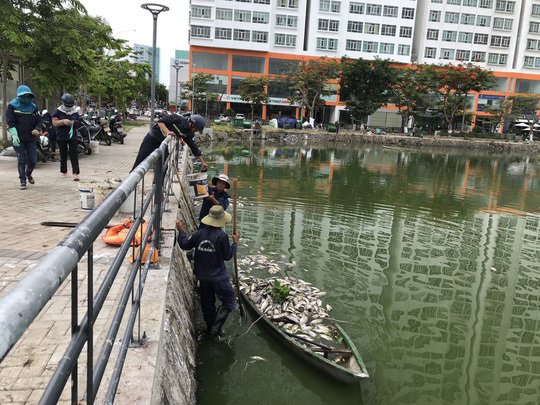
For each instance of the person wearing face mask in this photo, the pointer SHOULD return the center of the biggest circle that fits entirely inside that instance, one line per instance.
(66, 118)
(24, 126)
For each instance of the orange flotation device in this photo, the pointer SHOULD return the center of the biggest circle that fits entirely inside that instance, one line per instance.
(153, 259)
(117, 234)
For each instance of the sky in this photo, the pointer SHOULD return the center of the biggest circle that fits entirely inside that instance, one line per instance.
(131, 22)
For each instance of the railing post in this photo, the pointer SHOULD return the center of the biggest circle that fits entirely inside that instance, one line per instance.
(74, 329)
(90, 343)
(158, 198)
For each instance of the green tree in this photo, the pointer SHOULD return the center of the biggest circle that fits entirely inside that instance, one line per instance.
(18, 21)
(252, 91)
(523, 107)
(202, 89)
(411, 93)
(309, 82)
(451, 82)
(366, 85)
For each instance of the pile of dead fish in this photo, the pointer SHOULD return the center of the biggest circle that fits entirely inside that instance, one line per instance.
(302, 313)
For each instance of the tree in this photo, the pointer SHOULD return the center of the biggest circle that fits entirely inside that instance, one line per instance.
(518, 107)
(366, 85)
(309, 81)
(18, 21)
(451, 82)
(411, 93)
(252, 91)
(202, 89)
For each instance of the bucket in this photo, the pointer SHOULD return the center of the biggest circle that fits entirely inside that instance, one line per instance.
(198, 185)
(87, 199)
(94, 145)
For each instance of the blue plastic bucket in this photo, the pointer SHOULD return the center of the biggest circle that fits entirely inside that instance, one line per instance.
(198, 185)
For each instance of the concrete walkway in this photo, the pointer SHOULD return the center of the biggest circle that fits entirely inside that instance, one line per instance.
(25, 372)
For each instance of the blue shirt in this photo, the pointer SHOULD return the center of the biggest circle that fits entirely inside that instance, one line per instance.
(211, 250)
(222, 197)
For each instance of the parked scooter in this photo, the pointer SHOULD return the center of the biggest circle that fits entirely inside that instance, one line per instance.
(42, 145)
(96, 130)
(83, 138)
(116, 128)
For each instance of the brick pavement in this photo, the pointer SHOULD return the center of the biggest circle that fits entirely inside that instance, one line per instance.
(25, 372)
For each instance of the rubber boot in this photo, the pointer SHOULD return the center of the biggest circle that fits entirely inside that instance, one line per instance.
(221, 316)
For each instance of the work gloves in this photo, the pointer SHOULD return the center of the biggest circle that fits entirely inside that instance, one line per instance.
(14, 137)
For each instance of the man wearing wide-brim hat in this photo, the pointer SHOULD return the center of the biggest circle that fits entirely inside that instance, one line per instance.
(212, 248)
(216, 195)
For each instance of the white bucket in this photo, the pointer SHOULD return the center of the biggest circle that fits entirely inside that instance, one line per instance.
(87, 199)
(198, 185)
(94, 145)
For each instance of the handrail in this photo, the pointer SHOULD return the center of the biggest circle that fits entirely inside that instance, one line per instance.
(33, 292)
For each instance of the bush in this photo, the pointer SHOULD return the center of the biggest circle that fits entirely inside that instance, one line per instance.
(229, 112)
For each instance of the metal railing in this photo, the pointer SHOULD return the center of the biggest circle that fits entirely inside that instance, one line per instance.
(31, 294)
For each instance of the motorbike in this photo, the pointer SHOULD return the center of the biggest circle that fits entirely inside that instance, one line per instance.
(83, 138)
(96, 130)
(43, 152)
(116, 129)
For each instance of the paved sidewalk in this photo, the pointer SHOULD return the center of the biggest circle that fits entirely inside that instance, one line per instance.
(26, 370)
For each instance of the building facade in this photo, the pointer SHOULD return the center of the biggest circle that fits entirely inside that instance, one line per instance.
(237, 39)
(143, 54)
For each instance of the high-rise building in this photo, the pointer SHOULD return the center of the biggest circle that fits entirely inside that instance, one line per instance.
(143, 54)
(241, 38)
(178, 76)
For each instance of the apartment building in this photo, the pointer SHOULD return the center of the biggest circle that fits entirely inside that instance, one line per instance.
(236, 39)
(143, 54)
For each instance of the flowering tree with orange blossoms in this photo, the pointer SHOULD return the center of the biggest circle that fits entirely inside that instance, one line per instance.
(451, 84)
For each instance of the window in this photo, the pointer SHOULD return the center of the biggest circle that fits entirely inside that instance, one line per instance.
(501, 42)
(483, 21)
(261, 1)
(404, 50)
(470, 3)
(405, 32)
(536, 10)
(386, 48)
(260, 17)
(283, 20)
(323, 25)
(458, 2)
(447, 53)
(224, 14)
(436, 1)
(504, 5)
(335, 7)
(242, 15)
(497, 59)
(259, 36)
(354, 26)
(450, 17)
(285, 40)
(328, 25)
(534, 27)
(468, 19)
(223, 33)
(430, 53)
(533, 45)
(486, 4)
(373, 9)
(465, 37)
(478, 56)
(249, 64)
(287, 3)
(329, 6)
(529, 61)
(327, 43)
(463, 55)
(353, 45)
(370, 47)
(201, 12)
(198, 31)
(481, 39)
(356, 8)
(432, 35)
(388, 30)
(434, 15)
(370, 28)
(390, 11)
(449, 36)
(407, 13)
(241, 35)
(502, 23)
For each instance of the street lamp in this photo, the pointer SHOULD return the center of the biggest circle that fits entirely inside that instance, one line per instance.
(193, 88)
(177, 67)
(155, 9)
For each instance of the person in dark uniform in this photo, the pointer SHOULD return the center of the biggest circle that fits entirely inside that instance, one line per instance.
(216, 195)
(212, 248)
(173, 125)
(51, 132)
(66, 119)
(24, 126)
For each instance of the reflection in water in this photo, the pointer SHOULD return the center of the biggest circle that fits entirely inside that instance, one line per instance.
(431, 260)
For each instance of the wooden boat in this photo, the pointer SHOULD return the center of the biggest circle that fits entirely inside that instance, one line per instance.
(340, 359)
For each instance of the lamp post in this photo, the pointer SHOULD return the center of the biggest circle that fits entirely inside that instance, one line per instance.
(177, 67)
(193, 95)
(155, 9)
(180, 102)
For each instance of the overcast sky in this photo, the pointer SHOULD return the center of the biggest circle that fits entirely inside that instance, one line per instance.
(131, 22)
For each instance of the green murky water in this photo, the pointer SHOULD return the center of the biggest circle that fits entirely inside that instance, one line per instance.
(430, 258)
